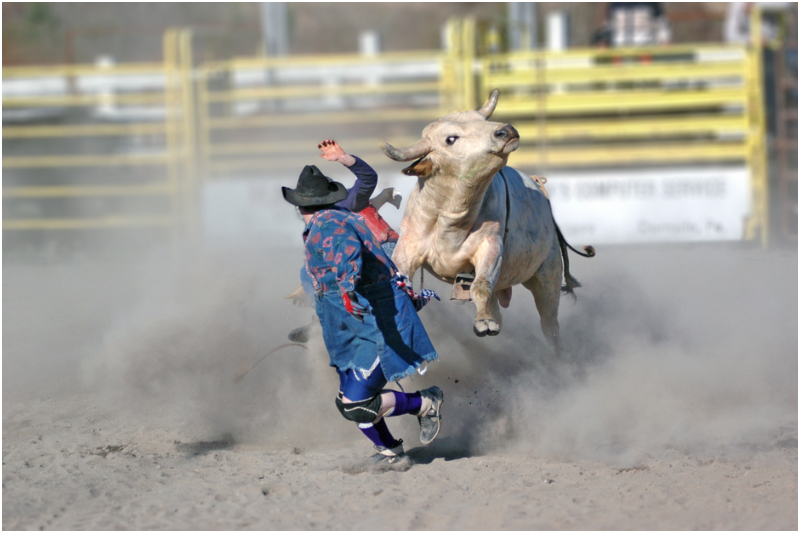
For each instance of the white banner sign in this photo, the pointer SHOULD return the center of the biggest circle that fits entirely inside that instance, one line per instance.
(678, 205)
(656, 205)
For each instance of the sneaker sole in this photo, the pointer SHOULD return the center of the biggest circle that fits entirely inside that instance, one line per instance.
(439, 425)
(426, 442)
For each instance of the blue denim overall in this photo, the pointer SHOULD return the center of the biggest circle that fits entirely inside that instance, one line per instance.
(308, 285)
(391, 335)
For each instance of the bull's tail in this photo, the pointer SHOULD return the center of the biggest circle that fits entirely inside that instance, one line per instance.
(570, 283)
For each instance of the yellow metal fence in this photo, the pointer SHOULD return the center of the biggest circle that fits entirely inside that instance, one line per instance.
(623, 107)
(578, 108)
(267, 113)
(114, 141)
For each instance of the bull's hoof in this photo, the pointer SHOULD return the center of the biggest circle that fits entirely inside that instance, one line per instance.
(485, 327)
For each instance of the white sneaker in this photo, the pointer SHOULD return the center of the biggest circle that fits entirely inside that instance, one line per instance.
(430, 418)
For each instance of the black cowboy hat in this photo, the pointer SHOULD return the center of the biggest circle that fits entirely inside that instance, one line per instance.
(314, 188)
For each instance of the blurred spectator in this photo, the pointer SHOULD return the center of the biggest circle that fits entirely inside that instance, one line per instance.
(602, 37)
(633, 24)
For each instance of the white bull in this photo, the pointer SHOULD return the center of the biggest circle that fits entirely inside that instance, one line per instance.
(471, 213)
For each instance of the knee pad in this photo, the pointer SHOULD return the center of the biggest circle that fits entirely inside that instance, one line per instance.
(362, 411)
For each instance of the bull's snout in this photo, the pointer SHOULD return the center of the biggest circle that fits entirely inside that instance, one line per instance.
(509, 137)
(506, 133)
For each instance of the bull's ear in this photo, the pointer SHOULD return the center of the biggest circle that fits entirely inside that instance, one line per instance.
(422, 167)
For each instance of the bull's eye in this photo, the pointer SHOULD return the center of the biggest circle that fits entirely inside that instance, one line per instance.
(451, 140)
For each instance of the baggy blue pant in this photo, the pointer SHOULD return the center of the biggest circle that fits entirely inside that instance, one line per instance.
(391, 335)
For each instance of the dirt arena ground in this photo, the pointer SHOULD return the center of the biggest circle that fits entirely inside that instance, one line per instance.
(673, 408)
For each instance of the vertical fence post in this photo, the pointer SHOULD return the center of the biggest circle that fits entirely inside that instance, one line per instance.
(191, 191)
(449, 99)
(468, 62)
(174, 154)
(758, 224)
(203, 130)
(542, 93)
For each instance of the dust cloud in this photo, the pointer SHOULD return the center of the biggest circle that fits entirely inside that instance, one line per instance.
(202, 319)
(677, 347)
(689, 348)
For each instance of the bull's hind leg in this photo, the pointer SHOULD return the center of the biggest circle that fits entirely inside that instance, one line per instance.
(546, 288)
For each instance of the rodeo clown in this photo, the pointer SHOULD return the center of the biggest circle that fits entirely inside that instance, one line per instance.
(356, 201)
(368, 314)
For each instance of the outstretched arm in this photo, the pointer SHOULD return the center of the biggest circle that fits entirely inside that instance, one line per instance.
(366, 178)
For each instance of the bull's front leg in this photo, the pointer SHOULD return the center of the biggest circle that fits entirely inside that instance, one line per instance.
(487, 264)
(406, 258)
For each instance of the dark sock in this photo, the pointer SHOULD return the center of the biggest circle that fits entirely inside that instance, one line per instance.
(406, 403)
(379, 434)
(385, 434)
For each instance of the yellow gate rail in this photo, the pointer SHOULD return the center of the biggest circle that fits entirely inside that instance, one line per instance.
(244, 105)
(90, 89)
(635, 106)
(34, 132)
(577, 108)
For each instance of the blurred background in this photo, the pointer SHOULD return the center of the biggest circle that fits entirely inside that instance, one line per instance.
(147, 249)
(130, 125)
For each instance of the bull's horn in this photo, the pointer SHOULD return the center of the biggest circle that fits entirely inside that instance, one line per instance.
(406, 154)
(491, 103)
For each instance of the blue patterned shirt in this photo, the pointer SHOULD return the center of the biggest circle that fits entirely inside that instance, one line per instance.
(341, 252)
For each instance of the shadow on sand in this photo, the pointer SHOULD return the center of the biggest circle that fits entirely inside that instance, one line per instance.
(448, 448)
(192, 449)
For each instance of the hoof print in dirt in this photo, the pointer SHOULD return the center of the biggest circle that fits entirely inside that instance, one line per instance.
(103, 451)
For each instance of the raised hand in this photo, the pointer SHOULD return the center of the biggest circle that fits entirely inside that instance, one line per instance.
(331, 151)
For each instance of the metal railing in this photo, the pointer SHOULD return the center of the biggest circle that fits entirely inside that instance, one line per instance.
(114, 135)
(638, 106)
(257, 113)
(578, 108)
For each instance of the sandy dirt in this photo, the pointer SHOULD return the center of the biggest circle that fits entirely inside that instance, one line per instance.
(674, 406)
